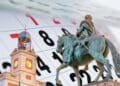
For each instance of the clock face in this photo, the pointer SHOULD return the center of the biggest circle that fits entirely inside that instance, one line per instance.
(15, 64)
(28, 63)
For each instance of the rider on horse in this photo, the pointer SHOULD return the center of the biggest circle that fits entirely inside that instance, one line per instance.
(86, 29)
(84, 33)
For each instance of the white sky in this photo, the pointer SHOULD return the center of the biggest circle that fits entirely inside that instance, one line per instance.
(115, 4)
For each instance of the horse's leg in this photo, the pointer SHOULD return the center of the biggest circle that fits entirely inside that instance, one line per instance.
(108, 66)
(101, 67)
(58, 70)
(77, 75)
(101, 59)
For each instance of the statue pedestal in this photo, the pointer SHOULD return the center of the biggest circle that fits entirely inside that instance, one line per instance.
(105, 83)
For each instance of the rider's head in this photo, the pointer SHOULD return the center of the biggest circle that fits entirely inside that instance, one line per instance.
(88, 17)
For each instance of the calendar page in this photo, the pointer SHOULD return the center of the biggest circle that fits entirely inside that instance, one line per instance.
(44, 32)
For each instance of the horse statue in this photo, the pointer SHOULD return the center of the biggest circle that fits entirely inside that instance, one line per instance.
(98, 49)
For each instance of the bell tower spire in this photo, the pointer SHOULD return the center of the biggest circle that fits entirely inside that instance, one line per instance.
(24, 41)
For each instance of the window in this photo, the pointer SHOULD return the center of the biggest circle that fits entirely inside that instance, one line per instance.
(12, 84)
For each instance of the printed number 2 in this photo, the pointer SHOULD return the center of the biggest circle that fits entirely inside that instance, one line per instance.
(46, 38)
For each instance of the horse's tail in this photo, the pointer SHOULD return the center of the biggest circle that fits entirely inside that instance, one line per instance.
(115, 57)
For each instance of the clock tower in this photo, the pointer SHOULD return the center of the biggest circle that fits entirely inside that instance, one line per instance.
(23, 61)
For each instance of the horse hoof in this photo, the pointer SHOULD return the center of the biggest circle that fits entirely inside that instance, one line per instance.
(107, 78)
(58, 83)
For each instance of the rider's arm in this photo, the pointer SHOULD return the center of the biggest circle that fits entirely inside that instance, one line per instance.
(85, 26)
(81, 27)
(93, 32)
(93, 29)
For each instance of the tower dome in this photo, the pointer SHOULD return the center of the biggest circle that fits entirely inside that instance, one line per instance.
(24, 40)
(24, 34)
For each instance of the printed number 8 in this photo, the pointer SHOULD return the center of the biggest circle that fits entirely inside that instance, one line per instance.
(46, 38)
